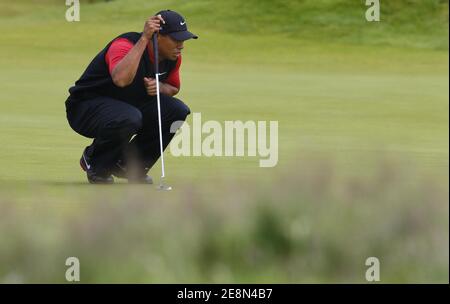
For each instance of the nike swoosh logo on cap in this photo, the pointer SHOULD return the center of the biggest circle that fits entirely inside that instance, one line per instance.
(183, 23)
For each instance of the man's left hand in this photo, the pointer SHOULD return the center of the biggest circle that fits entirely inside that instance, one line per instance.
(150, 86)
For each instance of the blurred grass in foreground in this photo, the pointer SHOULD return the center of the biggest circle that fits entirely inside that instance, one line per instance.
(308, 225)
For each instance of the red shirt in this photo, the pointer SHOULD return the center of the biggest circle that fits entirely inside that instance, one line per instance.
(120, 48)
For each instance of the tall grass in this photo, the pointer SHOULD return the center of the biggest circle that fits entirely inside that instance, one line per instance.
(309, 225)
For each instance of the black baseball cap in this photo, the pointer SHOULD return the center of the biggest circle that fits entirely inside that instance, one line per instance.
(175, 26)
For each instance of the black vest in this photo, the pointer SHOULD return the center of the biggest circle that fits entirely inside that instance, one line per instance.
(96, 80)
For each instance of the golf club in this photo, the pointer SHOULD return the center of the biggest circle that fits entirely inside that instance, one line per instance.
(161, 185)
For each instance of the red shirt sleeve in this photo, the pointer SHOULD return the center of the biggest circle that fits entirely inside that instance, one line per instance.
(117, 50)
(174, 77)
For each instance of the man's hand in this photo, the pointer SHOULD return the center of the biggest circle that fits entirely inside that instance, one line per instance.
(124, 72)
(151, 26)
(164, 88)
(150, 86)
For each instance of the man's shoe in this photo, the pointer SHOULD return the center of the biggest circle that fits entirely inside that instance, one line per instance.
(93, 176)
(145, 179)
(119, 170)
(139, 176)
(136, 176)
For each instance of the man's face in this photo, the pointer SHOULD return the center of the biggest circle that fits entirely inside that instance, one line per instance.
(169, 48)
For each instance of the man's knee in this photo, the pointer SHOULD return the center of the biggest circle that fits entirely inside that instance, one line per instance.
(133, 121)
(181, 110)
(126, 125)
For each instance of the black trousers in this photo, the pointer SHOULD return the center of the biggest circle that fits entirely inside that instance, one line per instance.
(112, 123)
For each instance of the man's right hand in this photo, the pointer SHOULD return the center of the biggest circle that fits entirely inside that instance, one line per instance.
(151, 26)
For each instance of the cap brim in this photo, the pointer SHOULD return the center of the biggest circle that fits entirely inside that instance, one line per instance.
(184, 35)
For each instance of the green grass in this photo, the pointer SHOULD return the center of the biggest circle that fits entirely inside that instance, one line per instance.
(363, 139)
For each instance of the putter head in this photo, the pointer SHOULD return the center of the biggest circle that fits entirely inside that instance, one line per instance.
(163, 187)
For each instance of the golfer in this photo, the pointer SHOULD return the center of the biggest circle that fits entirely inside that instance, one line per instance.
(114, 101)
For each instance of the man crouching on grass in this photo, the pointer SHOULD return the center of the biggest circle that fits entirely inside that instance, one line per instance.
(115, 99)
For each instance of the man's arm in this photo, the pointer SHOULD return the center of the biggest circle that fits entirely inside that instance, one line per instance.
(125, 71)
(168, 89)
